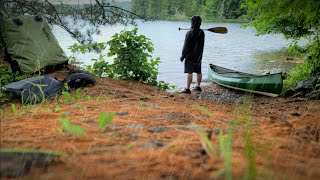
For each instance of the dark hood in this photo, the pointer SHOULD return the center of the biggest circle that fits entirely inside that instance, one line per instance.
(196, 22)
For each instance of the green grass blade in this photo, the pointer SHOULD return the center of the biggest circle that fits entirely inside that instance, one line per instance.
(75, 130)
(104, 120)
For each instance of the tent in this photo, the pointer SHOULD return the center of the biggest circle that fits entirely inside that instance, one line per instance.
(30, 43)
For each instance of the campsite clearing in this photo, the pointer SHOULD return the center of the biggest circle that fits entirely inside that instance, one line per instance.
(156, 135)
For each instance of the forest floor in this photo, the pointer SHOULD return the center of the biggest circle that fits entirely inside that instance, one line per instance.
(157, 135)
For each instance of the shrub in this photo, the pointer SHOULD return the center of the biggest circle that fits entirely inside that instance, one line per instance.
(132, 59)
(298, 73)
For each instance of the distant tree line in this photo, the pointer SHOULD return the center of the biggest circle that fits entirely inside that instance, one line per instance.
(184, 9)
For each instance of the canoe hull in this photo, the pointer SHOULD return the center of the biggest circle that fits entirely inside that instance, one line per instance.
(269, 85)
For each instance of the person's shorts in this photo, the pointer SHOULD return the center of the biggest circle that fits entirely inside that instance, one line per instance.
(192, 68)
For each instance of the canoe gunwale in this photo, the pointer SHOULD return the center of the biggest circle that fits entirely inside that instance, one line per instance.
(244, 75)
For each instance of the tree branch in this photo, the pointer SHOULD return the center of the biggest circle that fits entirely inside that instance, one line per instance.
(61, 24)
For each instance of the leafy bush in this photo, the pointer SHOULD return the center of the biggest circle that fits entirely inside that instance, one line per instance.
(132, 59)
(298, 73)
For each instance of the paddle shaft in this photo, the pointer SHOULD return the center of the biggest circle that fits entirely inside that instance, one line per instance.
(221, 30)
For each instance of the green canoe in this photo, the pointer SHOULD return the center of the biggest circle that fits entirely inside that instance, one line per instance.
(269, 85)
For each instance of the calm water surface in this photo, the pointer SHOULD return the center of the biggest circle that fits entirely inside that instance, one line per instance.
(239, 49)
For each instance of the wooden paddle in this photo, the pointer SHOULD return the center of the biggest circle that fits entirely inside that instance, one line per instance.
(220, 30)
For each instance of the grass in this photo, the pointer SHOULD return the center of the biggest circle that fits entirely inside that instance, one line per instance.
(203, 110)
(211, 150)
(225, 142)
(104, 120)
(39, 86)
(57, 109)
(14, 109)
(245, 118)
(66, 97)
(74, 130)
(248, 143)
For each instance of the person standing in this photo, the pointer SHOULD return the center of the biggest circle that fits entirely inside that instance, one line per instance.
(192, 53)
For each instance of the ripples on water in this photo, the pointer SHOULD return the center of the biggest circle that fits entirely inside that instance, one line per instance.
(239, 49)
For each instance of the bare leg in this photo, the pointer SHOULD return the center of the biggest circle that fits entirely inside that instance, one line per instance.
(189, 80)
(199, 79)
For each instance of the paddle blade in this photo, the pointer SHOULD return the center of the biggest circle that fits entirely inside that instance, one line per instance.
(221, 30)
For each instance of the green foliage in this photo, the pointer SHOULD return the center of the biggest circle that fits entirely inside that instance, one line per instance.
(184, 9)
(294, 19)
(226, 148)
(104, 120)
(132, 60)
(248, 144)
(299, 73)
(6, 77)
(57, 109)
(131, 53)
(74, 130)
(208, 143)
(14, 109)
(66, 97)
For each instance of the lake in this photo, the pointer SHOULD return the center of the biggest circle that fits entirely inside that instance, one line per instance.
(239, 49)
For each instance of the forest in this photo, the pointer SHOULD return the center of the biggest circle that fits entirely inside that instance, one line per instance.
(209, 10)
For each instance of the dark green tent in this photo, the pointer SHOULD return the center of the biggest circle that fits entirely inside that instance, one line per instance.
(30, 43)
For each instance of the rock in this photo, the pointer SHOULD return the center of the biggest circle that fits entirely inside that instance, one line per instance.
(289, 93)
(295, 114)
(169, 177)
(303, 88)
(153, 144)
(134, 136)
(17, 164)
(194, 127)
(114, 127)
(67, 113)
(309, 83)
(159, 129)
(134, 126)
(314, 95)
(144, 99)
(300, 93)
(122, 113)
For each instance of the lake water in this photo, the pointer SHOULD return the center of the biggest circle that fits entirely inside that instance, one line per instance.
(239, 49)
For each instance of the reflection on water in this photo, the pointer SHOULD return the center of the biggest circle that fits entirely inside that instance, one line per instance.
(278, 60)
(240, 49)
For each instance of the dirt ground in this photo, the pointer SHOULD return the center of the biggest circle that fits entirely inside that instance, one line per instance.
(156, 135)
